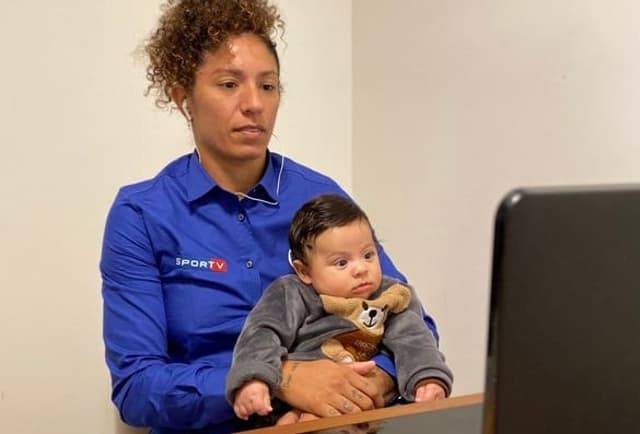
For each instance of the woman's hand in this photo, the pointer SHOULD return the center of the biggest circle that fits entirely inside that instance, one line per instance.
(295, 416)
(326, 388)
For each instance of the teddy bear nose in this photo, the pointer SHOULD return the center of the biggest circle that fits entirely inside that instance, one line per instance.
(372, 313)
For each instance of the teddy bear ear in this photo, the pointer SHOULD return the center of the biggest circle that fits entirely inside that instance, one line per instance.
(397, 297)
(340, 306)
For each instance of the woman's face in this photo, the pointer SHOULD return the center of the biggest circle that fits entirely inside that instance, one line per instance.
(234, 101)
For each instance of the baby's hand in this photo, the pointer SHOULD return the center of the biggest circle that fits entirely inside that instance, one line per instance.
(426, 391)
(252, 397)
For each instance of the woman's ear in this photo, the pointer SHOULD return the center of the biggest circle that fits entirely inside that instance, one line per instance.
(179, 97)
(302, 271)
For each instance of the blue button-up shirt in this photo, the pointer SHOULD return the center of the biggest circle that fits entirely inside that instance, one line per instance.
(183, 263)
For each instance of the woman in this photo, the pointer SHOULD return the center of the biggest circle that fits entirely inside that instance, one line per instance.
(188, 253)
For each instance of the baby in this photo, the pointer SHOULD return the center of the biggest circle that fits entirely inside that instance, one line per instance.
(337, 305)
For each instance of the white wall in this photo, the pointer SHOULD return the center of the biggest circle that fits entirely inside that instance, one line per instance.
(317, 87)
(74, 127)
(456, 102)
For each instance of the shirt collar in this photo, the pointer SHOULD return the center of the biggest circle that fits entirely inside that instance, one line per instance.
(200, 183)
(269, 185)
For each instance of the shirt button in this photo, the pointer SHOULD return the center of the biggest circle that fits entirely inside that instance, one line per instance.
(249, 264)
(241, 217)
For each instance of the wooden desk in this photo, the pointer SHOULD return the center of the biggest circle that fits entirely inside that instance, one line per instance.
(459, 415)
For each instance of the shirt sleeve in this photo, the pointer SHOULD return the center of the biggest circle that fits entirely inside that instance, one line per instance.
(267, 336)
(414, 349)
(147, 389)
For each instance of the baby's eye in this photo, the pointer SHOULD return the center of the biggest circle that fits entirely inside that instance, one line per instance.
(341, 263)
(370, 255)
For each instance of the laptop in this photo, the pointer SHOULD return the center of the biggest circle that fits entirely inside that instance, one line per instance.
(564, 330)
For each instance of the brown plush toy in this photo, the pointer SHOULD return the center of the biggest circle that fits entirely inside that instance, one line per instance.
(368, 316)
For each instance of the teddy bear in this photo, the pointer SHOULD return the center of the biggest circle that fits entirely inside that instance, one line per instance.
(368, 316)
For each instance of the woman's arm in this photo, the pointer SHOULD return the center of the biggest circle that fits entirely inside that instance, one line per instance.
(147, 388)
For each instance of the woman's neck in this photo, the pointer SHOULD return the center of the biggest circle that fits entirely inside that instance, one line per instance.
(235, 176)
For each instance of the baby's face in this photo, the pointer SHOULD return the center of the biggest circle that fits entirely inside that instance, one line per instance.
(344, 262)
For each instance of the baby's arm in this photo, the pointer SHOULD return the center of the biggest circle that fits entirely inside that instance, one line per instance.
(429, 390)
(252, 397)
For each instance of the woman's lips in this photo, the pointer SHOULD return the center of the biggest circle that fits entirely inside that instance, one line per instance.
(250, 129)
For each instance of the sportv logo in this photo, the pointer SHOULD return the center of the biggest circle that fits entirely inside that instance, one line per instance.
(216, 265)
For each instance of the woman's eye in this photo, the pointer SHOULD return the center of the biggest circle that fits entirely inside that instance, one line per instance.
(269, 87)
(228, 85)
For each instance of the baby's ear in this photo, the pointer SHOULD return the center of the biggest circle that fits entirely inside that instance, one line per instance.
(302, 271)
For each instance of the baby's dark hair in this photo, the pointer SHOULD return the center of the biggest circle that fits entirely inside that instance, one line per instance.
(318, 215)
(187, 29)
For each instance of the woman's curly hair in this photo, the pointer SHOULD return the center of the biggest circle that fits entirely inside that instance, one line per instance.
(187, 29)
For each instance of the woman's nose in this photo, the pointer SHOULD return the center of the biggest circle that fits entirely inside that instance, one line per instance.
(251, 100)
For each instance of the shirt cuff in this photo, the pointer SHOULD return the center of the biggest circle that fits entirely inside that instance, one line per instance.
(384, 362)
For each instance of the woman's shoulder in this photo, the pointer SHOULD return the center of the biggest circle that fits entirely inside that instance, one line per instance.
(298, 171)
(150, 188)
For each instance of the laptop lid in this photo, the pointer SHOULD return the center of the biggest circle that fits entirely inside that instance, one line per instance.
(564, 330)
